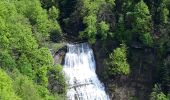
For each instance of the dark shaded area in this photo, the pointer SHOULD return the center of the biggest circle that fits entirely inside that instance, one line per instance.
(70, 19)
(55, 36)
(138, 84)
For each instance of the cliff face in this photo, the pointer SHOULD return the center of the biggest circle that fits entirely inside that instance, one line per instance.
(138, 84)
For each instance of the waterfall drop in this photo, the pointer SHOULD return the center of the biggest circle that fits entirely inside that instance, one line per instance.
(79, 68)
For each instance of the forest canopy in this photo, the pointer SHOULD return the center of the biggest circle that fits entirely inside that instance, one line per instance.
(29, 29)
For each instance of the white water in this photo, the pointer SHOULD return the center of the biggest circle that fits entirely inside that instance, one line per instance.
(79, 68)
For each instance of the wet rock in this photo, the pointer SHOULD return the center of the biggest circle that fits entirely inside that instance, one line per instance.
(59, 55)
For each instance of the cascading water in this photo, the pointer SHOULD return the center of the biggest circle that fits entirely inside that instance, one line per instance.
(79, 68)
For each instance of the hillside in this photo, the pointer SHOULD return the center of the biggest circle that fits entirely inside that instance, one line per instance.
(130, 40)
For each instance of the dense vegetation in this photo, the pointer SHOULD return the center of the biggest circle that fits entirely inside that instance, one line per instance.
(25, 60)
(29, 28)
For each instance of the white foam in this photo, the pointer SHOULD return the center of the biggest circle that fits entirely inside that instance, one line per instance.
(79, 68)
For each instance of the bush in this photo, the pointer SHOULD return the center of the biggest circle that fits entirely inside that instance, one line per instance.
(117, 62)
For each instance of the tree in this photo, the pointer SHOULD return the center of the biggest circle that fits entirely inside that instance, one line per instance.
(25, 88)
(41, 60)
(142, 23)
(103, 29)
(164, 75)
(25, 66)
(6, 87)
(6, 61)
(122, 33)
(53, 13)
(56, 78)
(162, 12)
(117, 62)
(55, 33)
(25, 25)
(42, 24)
(28, 90)
(91, 29)
(157, 94)
(89, 11)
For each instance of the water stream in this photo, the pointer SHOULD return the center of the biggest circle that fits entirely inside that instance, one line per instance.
(79, 68)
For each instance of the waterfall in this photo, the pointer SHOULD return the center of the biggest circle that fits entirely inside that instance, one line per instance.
(79, 68)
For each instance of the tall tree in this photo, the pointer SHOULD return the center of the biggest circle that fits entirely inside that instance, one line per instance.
(142, 23)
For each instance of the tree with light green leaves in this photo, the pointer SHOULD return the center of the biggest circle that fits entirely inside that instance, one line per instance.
(91, 29)
(157, 94)
(42, 23)
(6, 87)
(103, 30)
(25, 25)
(53, 13)
(117, 62)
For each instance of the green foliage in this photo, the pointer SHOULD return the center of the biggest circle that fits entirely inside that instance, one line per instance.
(164, 74)
(157, 94)
(147, 39)
(53, 13)
(103, 29)
(57, 78)
(6, 90)
(6, 60)
(49, 3)
(111, 2)
(91, 30)
(91, 9)
(122, 34)
(26, 29)
(142, 22)
(25, 66)
(38, 18)
(25, 88)
(161, 96)
(163, 12)
(25, 26)
(117, 62)
(41, 61)
(42, 76)
(55, 34)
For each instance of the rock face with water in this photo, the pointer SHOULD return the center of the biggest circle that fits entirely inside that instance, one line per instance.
(79, 68)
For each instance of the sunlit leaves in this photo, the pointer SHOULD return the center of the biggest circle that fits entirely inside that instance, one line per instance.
(157, 94)
(53, 13)
(103, 29)
(91, 29)
(6, 87)
(117, 62)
